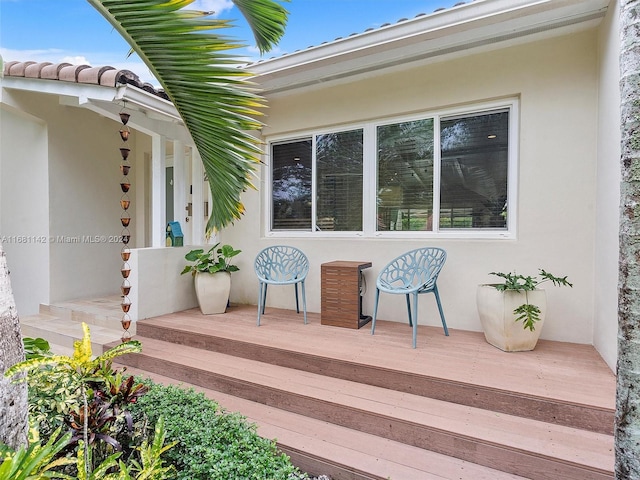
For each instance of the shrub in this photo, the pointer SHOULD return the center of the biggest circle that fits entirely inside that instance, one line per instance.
(212, 443)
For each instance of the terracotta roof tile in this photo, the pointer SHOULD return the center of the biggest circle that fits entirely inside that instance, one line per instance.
(106, 76)
(71, 72)
(34, 70)
(92, 75)
(17, 69)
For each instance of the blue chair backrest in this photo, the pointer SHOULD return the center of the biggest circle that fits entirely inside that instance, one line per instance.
(418, 267)
(281, 264)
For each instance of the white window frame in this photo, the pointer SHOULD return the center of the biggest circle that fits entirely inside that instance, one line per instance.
(369, 175)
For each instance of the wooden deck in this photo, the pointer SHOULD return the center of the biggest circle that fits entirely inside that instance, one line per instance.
(343, 402)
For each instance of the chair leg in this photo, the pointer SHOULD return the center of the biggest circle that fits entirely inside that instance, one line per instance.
(444, 323)
(415, 319)
(304, 301)
(295, 285)
(409, 310)
(375, 312)
(264, 297)
(260, 297)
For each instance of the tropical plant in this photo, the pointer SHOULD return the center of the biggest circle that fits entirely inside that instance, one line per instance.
(42, 461)
(151, 465)
(216, 259)
(88, 379)
(35, 347)
(212, 93)
(527, 313)
(35, 461)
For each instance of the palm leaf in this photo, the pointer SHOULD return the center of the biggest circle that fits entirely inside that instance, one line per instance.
(192, 61)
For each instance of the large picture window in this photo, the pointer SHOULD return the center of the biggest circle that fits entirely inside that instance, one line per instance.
(405, 176)
(442, 174)
(291, 186)
(339, 181)
(474, 163)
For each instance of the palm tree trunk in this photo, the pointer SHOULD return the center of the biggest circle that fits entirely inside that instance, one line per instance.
(627, 428)
(13, 397)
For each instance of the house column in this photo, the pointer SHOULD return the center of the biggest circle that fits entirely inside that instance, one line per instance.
(179, 184)
(197, 198)
(158, 193)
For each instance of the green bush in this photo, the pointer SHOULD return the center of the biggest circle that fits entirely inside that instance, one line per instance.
(212, 444)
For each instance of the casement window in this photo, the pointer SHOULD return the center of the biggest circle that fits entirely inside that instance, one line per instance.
(443, 174)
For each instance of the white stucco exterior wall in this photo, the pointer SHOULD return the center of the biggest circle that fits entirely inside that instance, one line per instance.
(556, 82)
(84, 185)
(24, 207)
(78, 201)
(608, 189)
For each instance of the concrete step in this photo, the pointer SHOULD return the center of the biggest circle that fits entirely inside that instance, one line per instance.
(64, 332)
(101, 312)
(515, 445)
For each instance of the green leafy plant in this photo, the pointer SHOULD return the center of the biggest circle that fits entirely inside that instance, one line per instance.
(35, 461)
(85, 400)
(527, 313)
(212, 443)
(216, 259)
(36, 347)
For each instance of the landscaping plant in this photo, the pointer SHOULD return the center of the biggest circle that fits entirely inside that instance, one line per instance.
(211, 444)
(83, 394)
(527, 313)
(212, 261)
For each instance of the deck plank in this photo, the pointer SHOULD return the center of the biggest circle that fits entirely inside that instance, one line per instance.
(554, 369)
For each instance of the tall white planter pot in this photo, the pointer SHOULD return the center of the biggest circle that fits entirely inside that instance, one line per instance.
(499, 322)
(212, 291)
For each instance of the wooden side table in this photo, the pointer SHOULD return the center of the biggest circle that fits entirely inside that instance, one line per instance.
(341, 302)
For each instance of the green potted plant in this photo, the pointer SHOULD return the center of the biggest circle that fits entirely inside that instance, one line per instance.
(502, 306)
(212, 276)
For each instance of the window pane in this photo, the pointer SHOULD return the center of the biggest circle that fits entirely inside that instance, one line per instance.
(291, 191)
(405, 176)
(339, 189)
(474, 171)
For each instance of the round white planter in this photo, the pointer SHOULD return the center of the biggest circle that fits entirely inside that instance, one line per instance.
(499, 322)
(212, 291)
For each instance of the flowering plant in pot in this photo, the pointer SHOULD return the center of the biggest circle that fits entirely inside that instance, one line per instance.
(212, 276)
(502, 306)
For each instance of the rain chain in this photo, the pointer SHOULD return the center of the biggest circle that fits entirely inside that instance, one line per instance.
(125, 220)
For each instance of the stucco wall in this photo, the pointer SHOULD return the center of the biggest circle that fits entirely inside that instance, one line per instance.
(608, 193)
(81, 198)
(556, 81)
(24, 207)
(157, 286)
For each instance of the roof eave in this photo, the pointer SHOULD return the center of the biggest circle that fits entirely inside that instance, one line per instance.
(155, 115)
(457, 29)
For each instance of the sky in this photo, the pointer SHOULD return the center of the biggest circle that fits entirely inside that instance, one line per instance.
(73, 31)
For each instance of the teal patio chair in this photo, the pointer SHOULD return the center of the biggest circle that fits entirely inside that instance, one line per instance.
(281, 265)
(412, 273)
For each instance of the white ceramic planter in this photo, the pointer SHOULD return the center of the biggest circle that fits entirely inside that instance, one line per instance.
(498, 320)
(212, 291)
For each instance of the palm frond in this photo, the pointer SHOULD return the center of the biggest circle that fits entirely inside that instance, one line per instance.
(192, 61)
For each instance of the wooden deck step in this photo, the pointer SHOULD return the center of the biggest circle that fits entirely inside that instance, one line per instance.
(488, 386)
(508, 443)
(349, 454)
